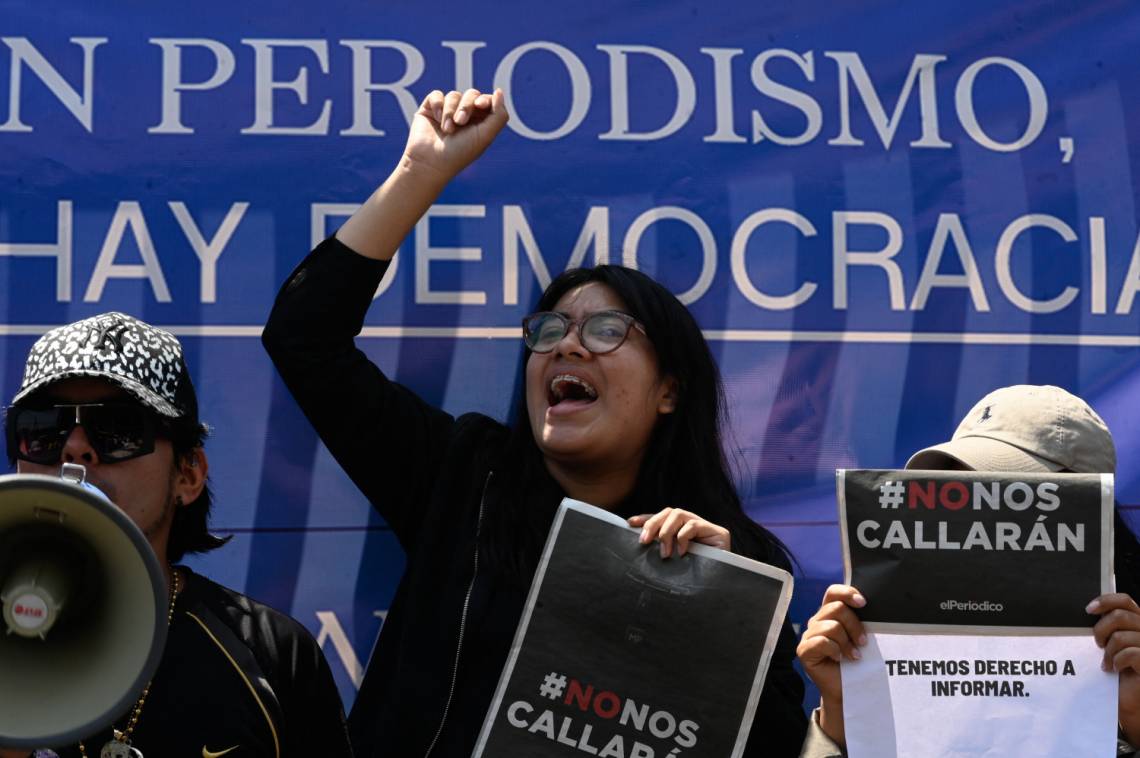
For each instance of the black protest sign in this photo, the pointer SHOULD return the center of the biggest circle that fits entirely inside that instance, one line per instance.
(621, 654)
(977, 549)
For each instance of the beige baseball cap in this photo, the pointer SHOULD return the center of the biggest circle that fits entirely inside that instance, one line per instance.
(1026, 428)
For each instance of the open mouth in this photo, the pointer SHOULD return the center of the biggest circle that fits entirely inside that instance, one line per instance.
(570, 388)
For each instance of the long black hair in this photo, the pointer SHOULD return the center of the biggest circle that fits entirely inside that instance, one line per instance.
(684, 465)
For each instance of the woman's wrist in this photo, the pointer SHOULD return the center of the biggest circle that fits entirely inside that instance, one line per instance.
(379, 226)
(831, 720)
(421, 174)
(1130, 728)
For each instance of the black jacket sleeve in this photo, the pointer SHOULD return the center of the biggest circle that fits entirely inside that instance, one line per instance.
(384, 437)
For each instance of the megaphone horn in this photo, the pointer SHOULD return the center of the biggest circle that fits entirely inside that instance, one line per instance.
(84, 607)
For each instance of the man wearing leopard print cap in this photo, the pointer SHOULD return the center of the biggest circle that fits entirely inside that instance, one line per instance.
(237, 678)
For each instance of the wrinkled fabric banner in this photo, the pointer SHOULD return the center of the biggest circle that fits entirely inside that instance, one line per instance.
(878, 213)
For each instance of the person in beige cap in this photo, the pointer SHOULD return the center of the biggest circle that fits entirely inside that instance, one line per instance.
(1022, 428)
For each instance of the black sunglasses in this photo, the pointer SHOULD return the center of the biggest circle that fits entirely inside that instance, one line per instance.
(117, 431)
(600, 333)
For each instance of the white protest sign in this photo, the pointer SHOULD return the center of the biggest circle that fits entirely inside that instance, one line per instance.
(953, 696)
(976, 586)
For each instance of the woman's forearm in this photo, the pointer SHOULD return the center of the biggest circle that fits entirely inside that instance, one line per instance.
(385, 219)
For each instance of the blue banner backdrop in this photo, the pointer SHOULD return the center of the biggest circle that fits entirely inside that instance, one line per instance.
(879, 211)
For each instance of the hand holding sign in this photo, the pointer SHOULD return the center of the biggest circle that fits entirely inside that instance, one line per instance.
(676, 525)
(1118, 634)
(834, 633)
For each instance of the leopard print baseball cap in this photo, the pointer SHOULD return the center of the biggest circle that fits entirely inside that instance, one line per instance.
(142, 359)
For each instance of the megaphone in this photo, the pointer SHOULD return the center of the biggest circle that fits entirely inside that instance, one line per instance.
(84, 606)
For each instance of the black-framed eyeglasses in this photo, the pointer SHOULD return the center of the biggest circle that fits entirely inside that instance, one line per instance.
(600, 333)
(117, 431)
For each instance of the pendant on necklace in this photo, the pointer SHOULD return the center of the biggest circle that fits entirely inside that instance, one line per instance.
(116, 748)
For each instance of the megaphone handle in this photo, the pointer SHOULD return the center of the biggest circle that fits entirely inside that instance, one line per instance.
(73, 472)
